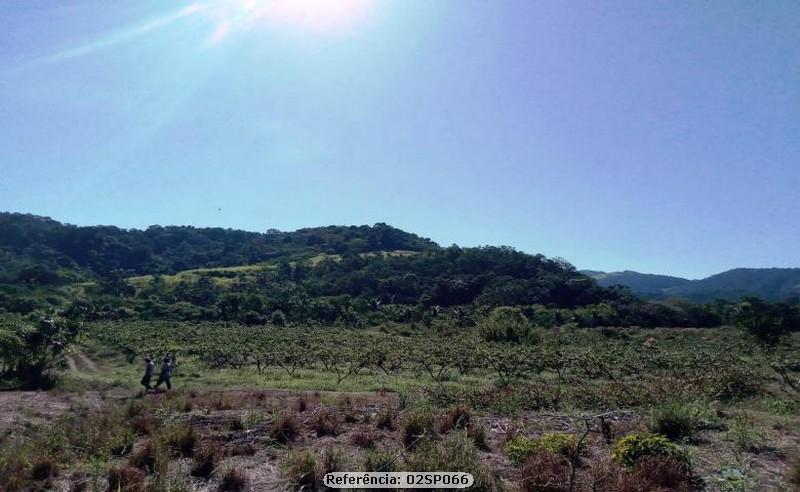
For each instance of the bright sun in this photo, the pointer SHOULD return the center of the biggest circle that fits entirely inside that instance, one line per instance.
(319, 16)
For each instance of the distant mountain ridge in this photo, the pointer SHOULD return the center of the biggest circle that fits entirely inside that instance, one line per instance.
(767, 283)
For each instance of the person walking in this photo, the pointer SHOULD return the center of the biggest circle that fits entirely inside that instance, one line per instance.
(149, 367)
(166, 374)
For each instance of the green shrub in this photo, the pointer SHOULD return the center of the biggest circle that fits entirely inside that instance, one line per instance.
(734, 478)
(120, 440)
(782, 407)
(520, 447)
(744, 434)
(506, 324)
(674, 421)
(630, 449)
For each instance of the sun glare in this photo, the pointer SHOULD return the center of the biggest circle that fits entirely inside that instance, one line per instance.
(317, 16)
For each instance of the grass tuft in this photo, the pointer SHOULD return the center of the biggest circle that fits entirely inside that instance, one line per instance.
(417, 426)
(544, 471)
(125, 479)
(205, 460)
(456, 418)
(233, 480)
(285, 429)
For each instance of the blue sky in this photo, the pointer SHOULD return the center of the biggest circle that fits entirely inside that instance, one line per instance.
(657, 136)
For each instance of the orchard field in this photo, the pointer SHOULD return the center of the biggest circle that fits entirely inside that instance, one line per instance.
(274, 408)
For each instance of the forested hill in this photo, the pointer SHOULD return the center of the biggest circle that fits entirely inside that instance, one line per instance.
(642, 283)
(352, 275)
(767, 283)
(30, 243)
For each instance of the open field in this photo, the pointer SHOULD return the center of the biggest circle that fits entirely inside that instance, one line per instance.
(281, 406)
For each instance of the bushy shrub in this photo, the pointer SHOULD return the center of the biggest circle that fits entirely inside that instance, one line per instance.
(630, 449)
(518, 448)
(744, 433)
(673, 420)
(506, 324)
(31, 351)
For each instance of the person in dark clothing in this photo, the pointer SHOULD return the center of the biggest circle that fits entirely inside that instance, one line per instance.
(166, 373)
(148, 373)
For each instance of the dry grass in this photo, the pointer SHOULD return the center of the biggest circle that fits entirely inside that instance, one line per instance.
(182, 439)
(44, 468)
(455, 418)
(205, 460)
(450, 437)
(385, 420)
(125, 479)
(664, 473)
(147, 457)
(416, 427)
(325, 423)
(301, 470)
(364, 438)
(285, 429)
(233, 480)
(544, 472)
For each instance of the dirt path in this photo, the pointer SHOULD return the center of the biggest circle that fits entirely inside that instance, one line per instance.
(73, 367)
(79, 362)
(84, 363)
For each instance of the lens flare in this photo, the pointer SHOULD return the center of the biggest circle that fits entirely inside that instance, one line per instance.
(314, 16)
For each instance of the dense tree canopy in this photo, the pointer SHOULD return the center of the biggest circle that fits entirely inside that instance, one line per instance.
(353, 276)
